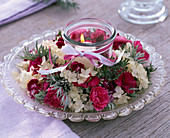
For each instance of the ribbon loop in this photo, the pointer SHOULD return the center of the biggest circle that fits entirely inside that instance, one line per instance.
(72, 53)
(81, 53)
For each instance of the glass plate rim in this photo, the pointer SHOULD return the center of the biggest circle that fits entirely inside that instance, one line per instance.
(138, 104)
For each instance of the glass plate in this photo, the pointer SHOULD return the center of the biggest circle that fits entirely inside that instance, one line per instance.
(20, 96)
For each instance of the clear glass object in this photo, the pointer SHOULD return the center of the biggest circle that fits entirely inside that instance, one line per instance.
(143, 11)
(88, 26)
(19, 95)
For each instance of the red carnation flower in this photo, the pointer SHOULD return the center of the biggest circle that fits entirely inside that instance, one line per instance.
(94, 82)
(35, 64)
(100, 98)
(60, 42)
(119, 40)
(52, 99)
(45, 86)
(83, 85)
(33, 87)
(126, 81)
(141, 50)
(110, 85)
(76, 66)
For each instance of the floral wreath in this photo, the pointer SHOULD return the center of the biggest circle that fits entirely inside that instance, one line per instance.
(81, 87)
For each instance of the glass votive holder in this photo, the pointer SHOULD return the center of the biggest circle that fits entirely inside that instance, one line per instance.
(90, 34)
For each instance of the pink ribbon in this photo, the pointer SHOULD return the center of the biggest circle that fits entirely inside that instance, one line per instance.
(72, 53)
(50, 57)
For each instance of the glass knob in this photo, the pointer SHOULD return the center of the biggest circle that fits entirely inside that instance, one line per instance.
(143, 11)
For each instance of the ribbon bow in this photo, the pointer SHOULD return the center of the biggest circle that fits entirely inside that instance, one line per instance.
(72, 53)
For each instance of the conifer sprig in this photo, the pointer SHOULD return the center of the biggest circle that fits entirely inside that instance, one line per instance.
(137, 55)
(62, 86)
(33, 54)
(113, 72)
(40, 96)
(67, 4)
(149, 70)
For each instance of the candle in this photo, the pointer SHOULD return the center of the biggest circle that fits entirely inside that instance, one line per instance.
(84, 60)
(90, 34)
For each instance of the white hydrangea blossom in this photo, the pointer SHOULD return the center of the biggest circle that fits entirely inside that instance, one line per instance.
(24, 77)
(76, 100)
(72, 77)
(93, 72)
(45, 65)
(60, 54)
(122, 100)
(89, 106)
(70, 103)
(64, 73)
(38, 77)
(119, 92)
(15, 75)
(139, 72)
(74, 93)
(117, 52)
(82, 77)
(85, 72)
(23, 65)
(84, 97)
(77, 106)
(54, 50)
(79, 78)
(51, 44)
(129, 46)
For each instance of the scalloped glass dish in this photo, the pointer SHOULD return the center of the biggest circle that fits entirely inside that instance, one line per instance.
(20, 96)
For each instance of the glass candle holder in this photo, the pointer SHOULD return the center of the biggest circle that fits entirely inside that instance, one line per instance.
(143, 11)
(90, 34)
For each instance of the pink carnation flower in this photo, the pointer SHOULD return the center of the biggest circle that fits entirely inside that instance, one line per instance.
(100, 98)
